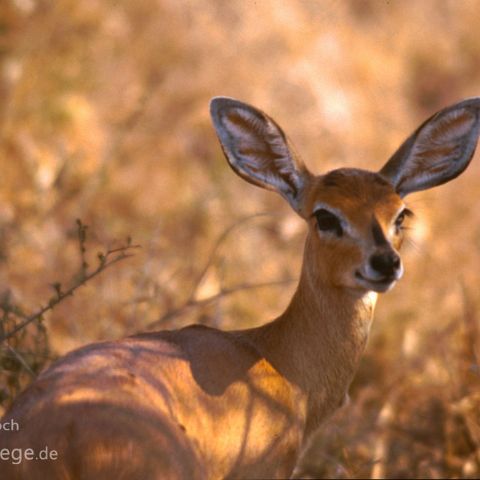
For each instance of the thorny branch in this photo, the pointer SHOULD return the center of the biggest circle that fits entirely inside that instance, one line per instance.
(105, 260)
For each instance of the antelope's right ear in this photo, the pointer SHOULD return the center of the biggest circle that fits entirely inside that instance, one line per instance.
(438, 151)
(257, 149)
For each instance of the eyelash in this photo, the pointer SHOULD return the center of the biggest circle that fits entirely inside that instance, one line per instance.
(328, 222)
(401, 218)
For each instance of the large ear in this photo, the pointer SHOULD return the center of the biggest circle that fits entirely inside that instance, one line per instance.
(438, 151)
(257, 149)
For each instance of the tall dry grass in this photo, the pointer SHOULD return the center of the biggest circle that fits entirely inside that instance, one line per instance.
(104, 117)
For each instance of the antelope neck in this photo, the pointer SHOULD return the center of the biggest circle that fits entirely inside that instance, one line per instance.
(316, 344)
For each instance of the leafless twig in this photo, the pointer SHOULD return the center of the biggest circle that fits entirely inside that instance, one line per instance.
(224, 292)
(105, 260)
(21, 360)
(215, 249)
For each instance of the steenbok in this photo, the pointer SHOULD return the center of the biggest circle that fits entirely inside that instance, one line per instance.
(208, 404)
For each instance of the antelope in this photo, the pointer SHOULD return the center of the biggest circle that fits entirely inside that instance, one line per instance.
(201, 403)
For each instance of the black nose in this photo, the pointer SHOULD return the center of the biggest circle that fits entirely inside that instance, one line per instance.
(385, 263)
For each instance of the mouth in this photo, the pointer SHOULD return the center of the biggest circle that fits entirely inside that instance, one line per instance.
(380, 285)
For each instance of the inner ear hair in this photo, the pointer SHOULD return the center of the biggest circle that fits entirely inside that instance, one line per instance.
(438, 151)
(257, 149)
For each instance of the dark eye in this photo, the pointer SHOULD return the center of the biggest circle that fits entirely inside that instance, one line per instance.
(401, 218)
(328, 222)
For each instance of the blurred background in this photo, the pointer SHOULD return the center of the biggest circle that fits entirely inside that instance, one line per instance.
(104, 118)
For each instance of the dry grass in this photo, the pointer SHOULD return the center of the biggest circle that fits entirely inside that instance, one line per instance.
(104, 117)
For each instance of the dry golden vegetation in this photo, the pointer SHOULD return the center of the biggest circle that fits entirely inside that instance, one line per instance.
(104, 118)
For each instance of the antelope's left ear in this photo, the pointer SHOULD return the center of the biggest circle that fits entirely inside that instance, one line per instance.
(438, 151)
